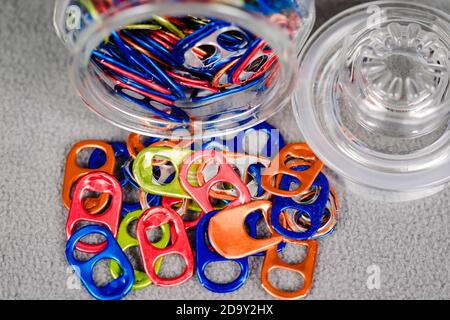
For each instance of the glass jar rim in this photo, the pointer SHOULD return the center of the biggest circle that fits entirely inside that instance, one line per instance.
(93, 34)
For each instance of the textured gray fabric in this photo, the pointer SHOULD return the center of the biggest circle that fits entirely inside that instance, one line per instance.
(41, 117)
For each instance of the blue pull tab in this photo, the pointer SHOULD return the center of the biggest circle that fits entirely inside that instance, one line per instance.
(206, 255)
(254, 170)
(127, 170)
(128, 207)
(269, 147)
(315, 210)
(117, 288)
(214, 33)
(98, 157)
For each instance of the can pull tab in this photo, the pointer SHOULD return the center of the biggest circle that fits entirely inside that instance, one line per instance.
(217, 35)
(305, 269)
(179, 245)
(73, 172)
(225, 174)
(143, 171)
(107, 185)
(228, 234)
(126, 241)
(254, 64)
(117, 288)
(206, 255)
(279, 166)
(314, 211)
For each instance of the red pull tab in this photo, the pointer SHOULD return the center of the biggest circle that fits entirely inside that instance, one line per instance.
(225, 174)
(95, 182)
(153, 218)
(244, 74)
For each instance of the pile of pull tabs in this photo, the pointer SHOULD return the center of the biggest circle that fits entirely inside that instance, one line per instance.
(170, 65)
(228, 183)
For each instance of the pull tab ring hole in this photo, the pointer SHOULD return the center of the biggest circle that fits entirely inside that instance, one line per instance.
(297, 220)
(93, 238)
(154, 234)
(165, 173)
(285, 280)
(173, 265)
(91, 199)
(233, 40)
(222, 191)
(210, 53)
(101, 273)
(131, 228)
(222, 272)
(130, 194)
(256, 64)
(293, 253)
(83, 156)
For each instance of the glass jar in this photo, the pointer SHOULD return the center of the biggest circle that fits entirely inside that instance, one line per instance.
(373, 101)
(184, 68)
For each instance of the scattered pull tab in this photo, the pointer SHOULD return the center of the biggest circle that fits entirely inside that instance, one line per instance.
(126, 241)
(279, 167)
(305, 268)
(206, 255)
(143, 171)
(179, 245)
(228, 234)
(107, 185)
(117, 288)
(73, 172)
(225, 174)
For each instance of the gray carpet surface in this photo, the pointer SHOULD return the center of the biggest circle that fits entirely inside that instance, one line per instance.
(41, 118)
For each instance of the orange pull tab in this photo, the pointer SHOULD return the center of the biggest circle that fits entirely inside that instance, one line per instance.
(228, 234)
(305, 268)
(134, 144)
(73, 173)
(280, 165)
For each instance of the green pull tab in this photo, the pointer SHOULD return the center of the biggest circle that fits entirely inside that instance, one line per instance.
(126, 241)
(143, 171)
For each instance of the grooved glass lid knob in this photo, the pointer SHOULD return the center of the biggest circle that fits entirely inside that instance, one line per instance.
(373, 98)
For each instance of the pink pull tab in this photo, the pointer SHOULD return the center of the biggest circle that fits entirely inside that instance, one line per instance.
(95, 182)
(225, 174)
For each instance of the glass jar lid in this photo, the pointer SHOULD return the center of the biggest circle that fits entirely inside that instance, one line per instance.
(373, 97)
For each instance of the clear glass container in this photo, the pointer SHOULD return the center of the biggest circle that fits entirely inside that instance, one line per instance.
(373, 99)
(88, 26)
